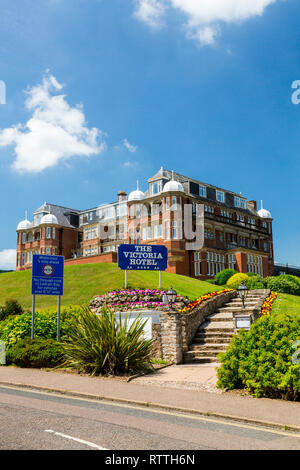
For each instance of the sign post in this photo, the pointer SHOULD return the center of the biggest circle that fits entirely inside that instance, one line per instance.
(33, 315)
(47, 279)
(142, 258)
(58, 318)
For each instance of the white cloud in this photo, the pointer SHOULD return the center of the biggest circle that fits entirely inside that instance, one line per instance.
(8, 259)
(150, 12)
(205, 16)
(130, 164)
(131, 148)
(206, 35)
(55, 131)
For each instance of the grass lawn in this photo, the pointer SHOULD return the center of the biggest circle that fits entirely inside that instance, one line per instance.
(286, 303)
(84, 281)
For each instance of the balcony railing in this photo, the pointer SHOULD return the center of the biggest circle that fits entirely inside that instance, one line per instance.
(235, 223)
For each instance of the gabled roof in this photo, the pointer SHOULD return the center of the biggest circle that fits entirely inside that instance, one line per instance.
(167, 174)
(59, 212)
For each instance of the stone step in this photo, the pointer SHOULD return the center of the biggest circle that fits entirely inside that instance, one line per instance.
(199, 360)
(232, 309)
(248, 299)
(219, 315)
(216, 334)
(217, 318)
(208, 347)
(217, 327)
(208, 353)
(212, 340)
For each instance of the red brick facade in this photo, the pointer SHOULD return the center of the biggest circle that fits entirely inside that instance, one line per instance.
(236, 237)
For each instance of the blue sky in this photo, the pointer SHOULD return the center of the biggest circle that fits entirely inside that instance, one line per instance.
(203, 90)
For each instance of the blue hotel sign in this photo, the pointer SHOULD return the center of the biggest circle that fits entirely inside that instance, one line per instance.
(143, 257)
(47, 275)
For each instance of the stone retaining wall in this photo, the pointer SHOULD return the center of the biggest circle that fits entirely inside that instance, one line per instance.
(178, 329)
(156, 338)
(191, 321)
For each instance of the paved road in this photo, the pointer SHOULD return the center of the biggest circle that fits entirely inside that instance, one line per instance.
(34, 420)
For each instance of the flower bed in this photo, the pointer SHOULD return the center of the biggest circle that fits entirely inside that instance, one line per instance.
(135, 299)
(268, 303)
(201, 299)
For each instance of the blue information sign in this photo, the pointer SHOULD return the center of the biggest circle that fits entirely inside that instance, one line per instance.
(47, 275)
(143, 257)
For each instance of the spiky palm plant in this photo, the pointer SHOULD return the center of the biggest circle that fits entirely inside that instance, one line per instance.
(107, 344)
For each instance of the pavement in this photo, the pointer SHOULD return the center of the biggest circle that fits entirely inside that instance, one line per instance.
(200, 377)
(190, 389)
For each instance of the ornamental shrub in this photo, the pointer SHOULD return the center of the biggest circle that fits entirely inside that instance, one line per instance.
(256, 282)
(237, 279)
(3, 314)
(38, 352)
(223, 276)
(11, 307)
(265, 280)
(285, 284)
(261, 360)
(18, 327)
(291, 278)
(103, 344)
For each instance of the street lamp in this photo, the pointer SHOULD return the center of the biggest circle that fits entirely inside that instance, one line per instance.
(171, 294)
(243, 292)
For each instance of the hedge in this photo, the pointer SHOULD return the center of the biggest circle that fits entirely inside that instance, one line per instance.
(261, 360)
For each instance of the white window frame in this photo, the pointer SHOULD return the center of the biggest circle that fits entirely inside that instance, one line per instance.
(220, 194)
(202, 191)
(174, 230)
(167, 230)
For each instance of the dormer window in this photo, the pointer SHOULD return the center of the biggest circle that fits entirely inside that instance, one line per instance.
(202, 191)
(220, 196)
(156, 187)
(239, 202)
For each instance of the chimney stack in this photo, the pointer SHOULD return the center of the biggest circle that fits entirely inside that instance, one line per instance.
(253, 204)
(122, 196)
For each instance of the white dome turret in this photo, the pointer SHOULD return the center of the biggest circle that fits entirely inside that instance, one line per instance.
(263, 213)
(136, 195)
(24, 224)
(49, 219)
(173, 185)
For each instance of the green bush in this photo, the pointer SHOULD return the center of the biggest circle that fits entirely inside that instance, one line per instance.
(11, 307)
(265, 280)
(3, 314)
(251, 274)
(223, 276)
(105, 344)
(261, 360)
(235, 281)
(256, 282)
(285, 284)
(18, 327)
(35, 353)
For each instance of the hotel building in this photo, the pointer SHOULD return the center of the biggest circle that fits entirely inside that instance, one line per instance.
(205, 228)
